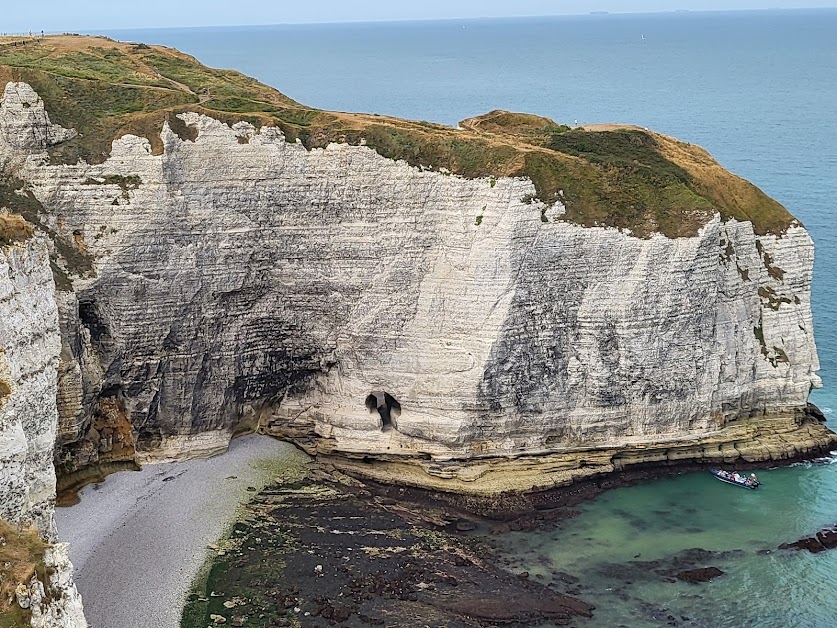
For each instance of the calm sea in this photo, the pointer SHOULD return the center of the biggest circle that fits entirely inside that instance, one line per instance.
(759, 91)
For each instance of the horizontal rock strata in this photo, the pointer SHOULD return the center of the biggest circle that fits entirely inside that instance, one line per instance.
(766, 439)
(29, 343)
(224, 279)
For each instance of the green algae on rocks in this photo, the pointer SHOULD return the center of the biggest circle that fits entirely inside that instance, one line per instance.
(326, 550)
(617, 176)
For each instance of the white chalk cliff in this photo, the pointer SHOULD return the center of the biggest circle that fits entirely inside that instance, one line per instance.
(241, 280)
(29, 344)
(208, 276)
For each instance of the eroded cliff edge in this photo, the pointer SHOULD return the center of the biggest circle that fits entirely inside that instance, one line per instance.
(509, 305)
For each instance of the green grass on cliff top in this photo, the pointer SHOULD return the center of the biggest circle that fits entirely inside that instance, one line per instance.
(613, 176)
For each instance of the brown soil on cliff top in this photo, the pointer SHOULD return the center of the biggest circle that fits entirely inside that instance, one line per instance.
(611, 175)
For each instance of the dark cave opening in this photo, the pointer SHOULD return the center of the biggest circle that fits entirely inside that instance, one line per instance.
(386, 406)
(88, 314)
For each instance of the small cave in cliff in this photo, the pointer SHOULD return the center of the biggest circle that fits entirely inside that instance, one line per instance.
(88, 314)
(386, 406)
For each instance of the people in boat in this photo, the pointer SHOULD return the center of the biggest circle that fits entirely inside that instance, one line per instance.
(738, 478)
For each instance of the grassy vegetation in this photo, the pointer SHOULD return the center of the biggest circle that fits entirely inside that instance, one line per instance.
(434, 149)
(759, 334)
(774, 271)
(627, 183)
(778, 355)
(537, 129)
(771, 299)
(627, 150)
(104, 90)
(131, 182)
(21, 557)
(16, 199)
(623, 177)
(13, 228)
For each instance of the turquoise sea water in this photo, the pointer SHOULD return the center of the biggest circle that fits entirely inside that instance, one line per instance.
(622, 543)
(759, 91)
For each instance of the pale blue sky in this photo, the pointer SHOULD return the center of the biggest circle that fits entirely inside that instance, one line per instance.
(71, 15)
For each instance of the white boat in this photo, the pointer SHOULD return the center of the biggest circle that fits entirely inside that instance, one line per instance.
(739, 479)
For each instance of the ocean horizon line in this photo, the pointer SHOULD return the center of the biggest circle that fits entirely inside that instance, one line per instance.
(469, 19)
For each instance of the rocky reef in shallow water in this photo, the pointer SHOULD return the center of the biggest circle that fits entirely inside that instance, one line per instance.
(326, 550)
(508, 305)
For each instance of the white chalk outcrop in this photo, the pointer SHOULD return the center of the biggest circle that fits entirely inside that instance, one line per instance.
(29, 344)
(25, 124)
(241, 280)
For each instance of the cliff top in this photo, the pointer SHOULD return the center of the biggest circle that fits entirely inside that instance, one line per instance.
(611, 175)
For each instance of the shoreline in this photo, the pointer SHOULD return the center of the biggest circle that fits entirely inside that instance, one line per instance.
(510, 486)
(328, 550)
(526, 510)
(144, 542)
(138, 539)
(515, 486)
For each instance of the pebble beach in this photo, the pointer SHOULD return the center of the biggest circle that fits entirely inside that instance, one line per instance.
(139, 538)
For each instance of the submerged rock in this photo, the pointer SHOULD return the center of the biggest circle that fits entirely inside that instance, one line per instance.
(704, 574)
(825, 539)
(685, 566)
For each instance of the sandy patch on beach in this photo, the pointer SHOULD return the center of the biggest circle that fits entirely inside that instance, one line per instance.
(138, 539)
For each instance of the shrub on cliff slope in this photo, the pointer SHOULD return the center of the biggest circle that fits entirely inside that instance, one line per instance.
(14, 229)
(21, 557)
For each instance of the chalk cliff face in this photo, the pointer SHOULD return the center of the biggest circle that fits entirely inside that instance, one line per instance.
(515, 305)
(29, 342)
(224, 278)
(244, 281)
